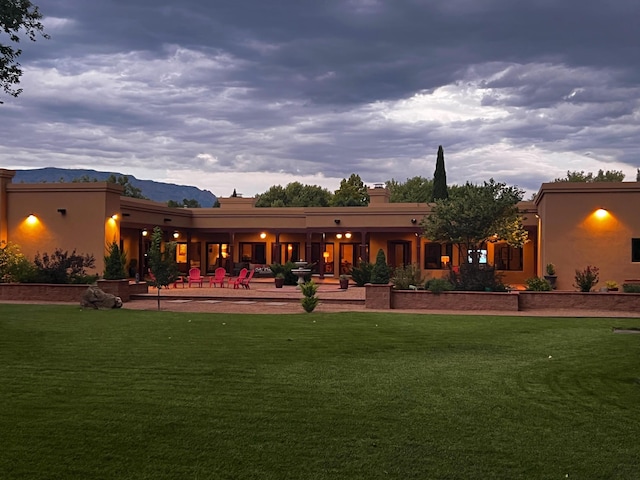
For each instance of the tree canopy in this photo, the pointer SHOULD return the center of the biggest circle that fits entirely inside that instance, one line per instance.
(128, 189)
(414, 190)
(476, 214)
(16, 16)
(352, 193)
(602, 176)
(294, 194)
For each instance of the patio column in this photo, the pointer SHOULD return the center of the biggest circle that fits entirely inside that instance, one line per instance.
(307, 248)
(277, 250)
(322, 263)
(363, 246)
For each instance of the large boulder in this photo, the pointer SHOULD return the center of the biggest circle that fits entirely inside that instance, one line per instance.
(95, 298)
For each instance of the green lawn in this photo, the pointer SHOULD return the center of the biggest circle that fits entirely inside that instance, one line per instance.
(158, 395)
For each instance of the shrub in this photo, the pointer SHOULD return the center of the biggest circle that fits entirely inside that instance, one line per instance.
(551, 269)
(114, 262)
(405, 276)
(536, 284)
(380, 273)
(14, 266)
(437, 285)
(62, 267)
(586, 279)
(477, 278)
(309, 301)
(362, 273)
(631, 288)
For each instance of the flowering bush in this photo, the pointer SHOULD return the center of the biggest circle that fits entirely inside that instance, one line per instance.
(587, 278)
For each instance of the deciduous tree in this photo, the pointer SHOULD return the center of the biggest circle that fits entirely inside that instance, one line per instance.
(352, 193)
(602, 176)
(475, 215)
(16, 17)
(414, 190)
(162, 261)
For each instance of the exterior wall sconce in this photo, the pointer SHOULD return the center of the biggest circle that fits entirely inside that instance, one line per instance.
(338, 235)
(347, 235)
(337, 221)
(114, 216)
(145, 232)
(176, 234)
(601, 213)
(32, 219)
(263, 235)
(62, 211)
(414, 220)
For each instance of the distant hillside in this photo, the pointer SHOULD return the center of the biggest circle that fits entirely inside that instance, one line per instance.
(156, 191)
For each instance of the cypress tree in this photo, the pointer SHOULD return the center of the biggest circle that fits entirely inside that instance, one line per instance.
(440, 190)
(380, 273)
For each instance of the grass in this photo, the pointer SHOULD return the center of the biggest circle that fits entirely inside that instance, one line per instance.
(158, 395)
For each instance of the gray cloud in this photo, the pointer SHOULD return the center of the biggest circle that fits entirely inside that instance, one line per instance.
(308, 89)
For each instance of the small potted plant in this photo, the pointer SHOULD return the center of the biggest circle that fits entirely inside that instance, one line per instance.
(551, 275)
(344, 282)
(612, 286)
(279, 279)
(586, 279)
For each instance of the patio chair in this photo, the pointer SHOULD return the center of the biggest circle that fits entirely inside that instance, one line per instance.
(245, 281)
(236, 282)
(195, 277)
(218, 278)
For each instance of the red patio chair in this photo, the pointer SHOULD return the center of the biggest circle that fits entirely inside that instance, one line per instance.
(236, 282)
(218, 278)
(195, 277)
(245, 281)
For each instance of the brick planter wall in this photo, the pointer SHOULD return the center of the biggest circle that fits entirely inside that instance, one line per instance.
(613, 301)
(384, 297)
(44, 292)
(378, 296)
(421, 299)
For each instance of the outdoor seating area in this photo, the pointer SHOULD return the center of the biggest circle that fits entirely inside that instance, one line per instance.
(220, 278)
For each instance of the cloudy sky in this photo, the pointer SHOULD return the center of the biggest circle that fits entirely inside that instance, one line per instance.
(245, 94)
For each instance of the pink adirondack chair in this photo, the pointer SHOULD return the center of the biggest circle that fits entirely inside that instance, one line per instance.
(218, 278)
(195, 277)
(247, 279)
(236, 282)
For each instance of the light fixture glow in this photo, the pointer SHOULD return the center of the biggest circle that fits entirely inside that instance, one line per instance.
(176, 234)
(325, 255)
(347, 235)
(114, 216)
(32, 219)
(144, 232)
(338, 235)
(601, 213)
(263, 235)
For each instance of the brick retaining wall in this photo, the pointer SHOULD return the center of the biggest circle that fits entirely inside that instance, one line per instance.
(385, 297)
(44, 292)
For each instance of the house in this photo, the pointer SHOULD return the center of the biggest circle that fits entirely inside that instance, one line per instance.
(562, 225)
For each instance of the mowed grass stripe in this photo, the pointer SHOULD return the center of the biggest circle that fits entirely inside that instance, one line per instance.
(129, 394)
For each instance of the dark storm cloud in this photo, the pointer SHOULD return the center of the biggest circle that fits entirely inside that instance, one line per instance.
(333, 87)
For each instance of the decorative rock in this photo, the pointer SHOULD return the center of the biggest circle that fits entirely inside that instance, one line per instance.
(95, 298)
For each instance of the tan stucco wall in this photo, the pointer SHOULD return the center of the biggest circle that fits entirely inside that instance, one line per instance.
(85, 226)
(572, 237)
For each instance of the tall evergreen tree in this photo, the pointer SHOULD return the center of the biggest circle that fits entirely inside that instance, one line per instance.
(440, 191)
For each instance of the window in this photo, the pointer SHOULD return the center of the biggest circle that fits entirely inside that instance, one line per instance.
(253, 252)
(482, 255)
(437, 255)
(506, 257)
(635, 249)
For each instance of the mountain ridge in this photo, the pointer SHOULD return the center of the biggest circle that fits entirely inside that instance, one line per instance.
(153, 190)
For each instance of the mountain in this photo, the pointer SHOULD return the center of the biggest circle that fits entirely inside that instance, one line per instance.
(156, 191)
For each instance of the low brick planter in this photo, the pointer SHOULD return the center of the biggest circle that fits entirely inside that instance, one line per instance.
(382, 297)
(45, 292)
